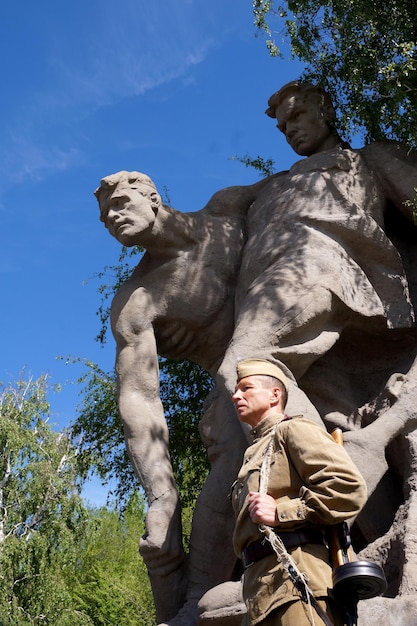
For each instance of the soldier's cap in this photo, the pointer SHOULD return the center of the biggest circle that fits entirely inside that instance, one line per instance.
(260, 367)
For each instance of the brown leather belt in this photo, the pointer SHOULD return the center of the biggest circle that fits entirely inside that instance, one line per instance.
(259, 549)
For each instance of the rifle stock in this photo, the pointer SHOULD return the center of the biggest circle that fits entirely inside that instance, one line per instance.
(339, 541)
(352, 580)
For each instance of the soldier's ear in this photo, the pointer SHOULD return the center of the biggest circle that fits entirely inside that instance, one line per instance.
(276, 395)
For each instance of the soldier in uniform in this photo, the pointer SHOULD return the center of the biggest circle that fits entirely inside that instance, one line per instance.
(296, 481)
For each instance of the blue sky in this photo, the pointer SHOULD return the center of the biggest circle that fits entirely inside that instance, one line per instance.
(173, 88)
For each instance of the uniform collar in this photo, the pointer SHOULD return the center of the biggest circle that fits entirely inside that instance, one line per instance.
(266, 425)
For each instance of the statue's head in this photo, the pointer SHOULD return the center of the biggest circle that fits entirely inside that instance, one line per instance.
(305, 114)
(130, 183)
(128, 204)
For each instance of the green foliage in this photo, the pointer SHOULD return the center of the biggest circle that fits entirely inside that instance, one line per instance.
(61, 564)
(41, 512)
(109, 581)
(412, 204)
(265, 167)
(363, 52)
(184, 387)
(99, 434)
(261, 10)
(38, 480)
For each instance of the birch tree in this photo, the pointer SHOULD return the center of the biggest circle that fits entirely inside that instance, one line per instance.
(364, 52)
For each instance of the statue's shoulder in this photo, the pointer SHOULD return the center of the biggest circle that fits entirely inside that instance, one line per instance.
(235, 200)
(380, 151)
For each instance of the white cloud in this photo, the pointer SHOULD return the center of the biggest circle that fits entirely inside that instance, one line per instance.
(126, 49)
(141, 46)
(27, 159)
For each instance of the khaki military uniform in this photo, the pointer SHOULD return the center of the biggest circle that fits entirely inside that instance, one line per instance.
(314, 483)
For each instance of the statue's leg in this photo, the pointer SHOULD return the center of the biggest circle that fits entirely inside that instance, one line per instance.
(298, 402)
(146, 436)
(222, 434)
(212, 559)
(293, 330)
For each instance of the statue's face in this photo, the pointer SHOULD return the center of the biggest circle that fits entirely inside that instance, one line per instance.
(303, 121)
(127, 211)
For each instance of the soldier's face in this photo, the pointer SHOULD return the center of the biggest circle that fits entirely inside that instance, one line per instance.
(253, 400)
(304, 124)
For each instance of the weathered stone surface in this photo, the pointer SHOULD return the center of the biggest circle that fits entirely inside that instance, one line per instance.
(316, 269)
(401, 611)
(222, 605)
(388, 612)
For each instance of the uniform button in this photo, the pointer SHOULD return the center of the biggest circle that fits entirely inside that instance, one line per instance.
(283, 516)
(299, 514)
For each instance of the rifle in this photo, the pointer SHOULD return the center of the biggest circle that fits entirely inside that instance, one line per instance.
(352, 580)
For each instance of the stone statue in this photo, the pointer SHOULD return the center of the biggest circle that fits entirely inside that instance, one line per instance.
(314, 269)
(178, 303)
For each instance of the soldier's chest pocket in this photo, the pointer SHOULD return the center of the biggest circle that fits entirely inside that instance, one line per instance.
(248, 478)
(279, 473)
(241, 487)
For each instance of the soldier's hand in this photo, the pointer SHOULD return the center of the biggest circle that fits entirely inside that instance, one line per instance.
(262, 509)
